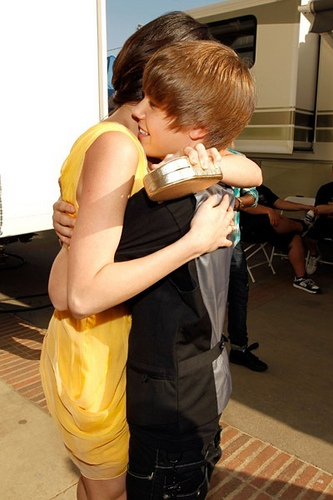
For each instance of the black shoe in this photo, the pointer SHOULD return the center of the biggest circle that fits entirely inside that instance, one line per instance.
(246, 358)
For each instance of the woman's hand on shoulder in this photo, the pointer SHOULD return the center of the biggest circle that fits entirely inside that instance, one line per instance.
(202, 157)
(237, 169)
(198, 156)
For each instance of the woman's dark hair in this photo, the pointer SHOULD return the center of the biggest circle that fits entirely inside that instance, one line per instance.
(137, 50)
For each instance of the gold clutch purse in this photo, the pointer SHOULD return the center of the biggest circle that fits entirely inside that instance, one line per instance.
(177, 178)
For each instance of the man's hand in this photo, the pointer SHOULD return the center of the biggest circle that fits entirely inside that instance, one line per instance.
(273, 216)
(63, 221)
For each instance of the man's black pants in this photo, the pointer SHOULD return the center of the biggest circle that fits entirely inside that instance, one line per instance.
(156, 474)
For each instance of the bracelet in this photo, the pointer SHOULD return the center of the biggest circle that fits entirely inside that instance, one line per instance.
(241, 204)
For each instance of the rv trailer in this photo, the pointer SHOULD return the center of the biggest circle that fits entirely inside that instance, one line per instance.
(54, 87)
(291, 133)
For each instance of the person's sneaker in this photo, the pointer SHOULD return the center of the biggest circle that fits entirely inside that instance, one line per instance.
(312, 264)
(246, 358)
(306, 284)
(308, 221)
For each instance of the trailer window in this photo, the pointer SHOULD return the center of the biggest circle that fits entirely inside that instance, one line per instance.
(239, 33)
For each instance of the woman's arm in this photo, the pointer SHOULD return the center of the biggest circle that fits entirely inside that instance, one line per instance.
(102, 193)
(95, 281)
(240, 171)
(237, 169)
(116, 282)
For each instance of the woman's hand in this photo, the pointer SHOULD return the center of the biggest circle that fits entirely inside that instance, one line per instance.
(198, 156)
(202, 157)
(63, 221)
(212, 224)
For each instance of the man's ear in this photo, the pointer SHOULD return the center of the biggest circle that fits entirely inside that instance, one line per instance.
(197, 134)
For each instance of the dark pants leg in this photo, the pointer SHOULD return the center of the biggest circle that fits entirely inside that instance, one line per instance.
(156, 474)
(238, 299)
(322, 228)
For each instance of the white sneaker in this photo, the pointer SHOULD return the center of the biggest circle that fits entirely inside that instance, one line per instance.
(308, 221)
(309, 217)
(312, 264)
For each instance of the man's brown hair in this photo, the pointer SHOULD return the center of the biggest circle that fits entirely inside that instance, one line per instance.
(202, 84)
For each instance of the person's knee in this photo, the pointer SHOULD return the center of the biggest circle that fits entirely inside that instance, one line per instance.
(296, 244)
(108, 489)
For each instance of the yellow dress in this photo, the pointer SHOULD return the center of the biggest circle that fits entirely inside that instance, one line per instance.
(83, 361)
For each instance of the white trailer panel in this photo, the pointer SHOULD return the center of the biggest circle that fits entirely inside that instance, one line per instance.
(53, 88)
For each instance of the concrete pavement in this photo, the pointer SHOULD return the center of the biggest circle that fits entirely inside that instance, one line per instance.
(277, 435)
(33, 462)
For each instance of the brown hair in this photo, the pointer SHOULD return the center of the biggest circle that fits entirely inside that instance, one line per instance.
(202, 84)
(129, 64)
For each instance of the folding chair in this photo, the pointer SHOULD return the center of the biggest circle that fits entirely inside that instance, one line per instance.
(250, 251)
(321, 243)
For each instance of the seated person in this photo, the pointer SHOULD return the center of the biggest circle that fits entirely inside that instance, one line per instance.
(264, 223)
(321, 219)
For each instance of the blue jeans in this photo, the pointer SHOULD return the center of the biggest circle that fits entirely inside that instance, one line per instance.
(238, 298)
(156, 474)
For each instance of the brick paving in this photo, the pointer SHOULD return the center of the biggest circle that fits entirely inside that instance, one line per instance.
(20, 347)
(250, 469)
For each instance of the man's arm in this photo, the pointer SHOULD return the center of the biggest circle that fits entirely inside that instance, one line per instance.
(324, 210)
(291, 206)
(248, 197)
(263, 210)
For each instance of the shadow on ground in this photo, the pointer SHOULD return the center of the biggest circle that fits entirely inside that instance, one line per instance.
(292, 400)
(290, 405)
